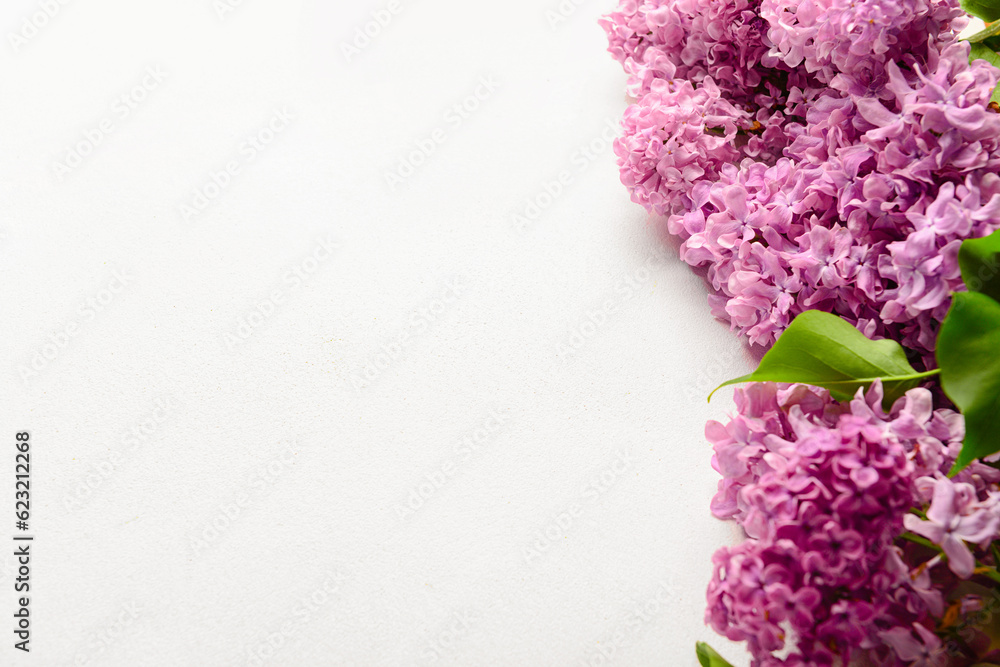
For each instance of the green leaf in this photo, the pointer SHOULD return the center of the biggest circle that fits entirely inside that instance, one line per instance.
(987, 10)
(980, 51)
(979, 260)
(824, 350)
(991, 30)
(968, 352)
(708, 657)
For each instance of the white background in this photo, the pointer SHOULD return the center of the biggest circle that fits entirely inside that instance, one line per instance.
(581, 329)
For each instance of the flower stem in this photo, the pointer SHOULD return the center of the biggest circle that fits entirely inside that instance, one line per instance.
(917, 376)
(986, 570)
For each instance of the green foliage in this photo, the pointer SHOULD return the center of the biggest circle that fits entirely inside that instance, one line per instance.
(823, 350)
(968, 352)
(985, 35)
(708, 657)
(987, 10)
(979, 260)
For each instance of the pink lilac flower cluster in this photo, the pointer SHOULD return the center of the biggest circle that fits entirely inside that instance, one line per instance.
(824, 490)
(828, 154)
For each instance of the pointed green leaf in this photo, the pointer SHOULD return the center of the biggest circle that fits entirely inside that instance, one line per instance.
(708, 657)
(992, 30)
(980, 263)
(987, 10)
(824, 350)
(968, 352)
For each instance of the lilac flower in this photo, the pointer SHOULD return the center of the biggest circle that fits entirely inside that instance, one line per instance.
(797, 607)
(857, 39)
(670, 143)
(955, 517)
(803, 455)
(808, 195)
(827, 154)
(918, 647)
(823, 491)
(687, 39)
(938, 126)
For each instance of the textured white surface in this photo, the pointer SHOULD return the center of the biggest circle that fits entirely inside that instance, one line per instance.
(580, 331)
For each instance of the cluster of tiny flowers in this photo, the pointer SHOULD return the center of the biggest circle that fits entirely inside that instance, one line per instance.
(829, 154)
(824, 491)
(668, 148)
(832, 155)
(851, 41)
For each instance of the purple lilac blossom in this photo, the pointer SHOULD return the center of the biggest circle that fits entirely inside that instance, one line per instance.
(824, 490)
(827, 154)
(676, 138)
(856, 134)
